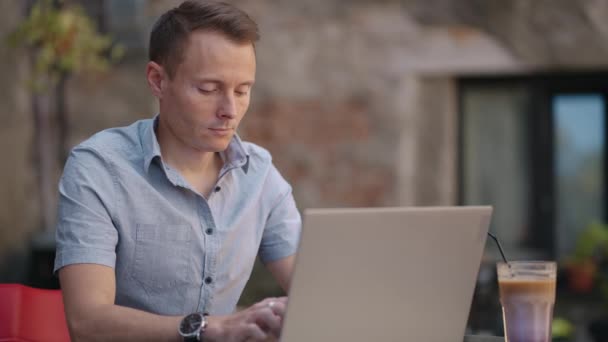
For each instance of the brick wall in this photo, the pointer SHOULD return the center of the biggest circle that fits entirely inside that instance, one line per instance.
(355, 99)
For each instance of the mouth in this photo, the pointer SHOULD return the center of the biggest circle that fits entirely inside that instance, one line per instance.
(221, 131)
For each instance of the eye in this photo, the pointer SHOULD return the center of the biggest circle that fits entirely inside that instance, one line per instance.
(242, 91)
(206, 90)
(207, 87)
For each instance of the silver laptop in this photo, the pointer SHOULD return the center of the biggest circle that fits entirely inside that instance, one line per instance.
(385, 274)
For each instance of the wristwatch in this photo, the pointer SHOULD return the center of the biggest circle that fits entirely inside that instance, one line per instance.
(192, 327)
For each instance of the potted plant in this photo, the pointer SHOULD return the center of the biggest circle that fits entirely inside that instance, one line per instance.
(590, 251)
(587, 270)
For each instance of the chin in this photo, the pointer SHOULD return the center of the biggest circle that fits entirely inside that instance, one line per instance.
(213, 144)
(218, 146)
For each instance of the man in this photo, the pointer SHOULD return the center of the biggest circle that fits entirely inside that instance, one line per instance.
(160, 222)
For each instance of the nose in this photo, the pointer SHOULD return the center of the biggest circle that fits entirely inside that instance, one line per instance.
(227, 108)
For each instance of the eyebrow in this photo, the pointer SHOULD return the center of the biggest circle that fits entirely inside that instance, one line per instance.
(217, 81)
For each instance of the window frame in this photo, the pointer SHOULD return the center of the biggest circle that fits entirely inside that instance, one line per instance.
(542, 88)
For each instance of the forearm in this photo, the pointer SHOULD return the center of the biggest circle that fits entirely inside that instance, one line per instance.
(118, 323)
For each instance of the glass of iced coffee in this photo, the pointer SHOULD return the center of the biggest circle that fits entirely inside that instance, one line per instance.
(527, 295)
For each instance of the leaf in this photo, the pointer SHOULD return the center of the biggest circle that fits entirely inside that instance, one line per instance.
(62, 40)
(592, 240)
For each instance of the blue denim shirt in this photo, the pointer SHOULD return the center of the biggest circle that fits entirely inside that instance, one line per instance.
(173, 251)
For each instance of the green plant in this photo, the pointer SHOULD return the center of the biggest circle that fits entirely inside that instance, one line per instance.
(585, 264)
(592, 249)
(62, 40)
(592, 243)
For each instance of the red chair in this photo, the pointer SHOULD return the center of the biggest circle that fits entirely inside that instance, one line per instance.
(32, 315)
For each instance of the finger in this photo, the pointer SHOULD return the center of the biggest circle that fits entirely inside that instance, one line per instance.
(271, 301)
(274, 299)
(268, 321)
(278, 308)
(264, 302)
(281, 300)
(252, 332)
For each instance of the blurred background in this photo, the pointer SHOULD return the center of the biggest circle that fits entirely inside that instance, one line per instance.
(361, 103)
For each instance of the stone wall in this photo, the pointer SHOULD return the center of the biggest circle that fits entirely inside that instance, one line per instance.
(356, 99)
(18, 203)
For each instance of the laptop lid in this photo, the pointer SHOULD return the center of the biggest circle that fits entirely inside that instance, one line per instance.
(385, 274)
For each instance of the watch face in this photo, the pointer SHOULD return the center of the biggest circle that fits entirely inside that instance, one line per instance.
(191, 324)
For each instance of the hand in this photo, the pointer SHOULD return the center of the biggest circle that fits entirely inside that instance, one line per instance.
(259, 322)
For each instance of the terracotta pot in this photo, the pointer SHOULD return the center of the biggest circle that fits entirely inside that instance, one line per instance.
(581, 277)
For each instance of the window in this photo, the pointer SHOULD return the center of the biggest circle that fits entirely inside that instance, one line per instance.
(578, 164)
(534, 148)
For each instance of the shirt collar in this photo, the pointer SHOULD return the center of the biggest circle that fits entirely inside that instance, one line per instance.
(150, 146)
(234, 156)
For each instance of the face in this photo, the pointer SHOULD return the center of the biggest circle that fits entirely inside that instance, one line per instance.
(204, 102)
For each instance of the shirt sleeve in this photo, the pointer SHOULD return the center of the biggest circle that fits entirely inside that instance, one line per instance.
(85, 232)
(282, 232)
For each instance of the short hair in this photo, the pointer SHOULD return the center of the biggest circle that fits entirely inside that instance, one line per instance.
(171, 31)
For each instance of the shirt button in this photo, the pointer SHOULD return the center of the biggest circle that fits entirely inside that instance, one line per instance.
(208, 280)
(209, 231)
(217, 189)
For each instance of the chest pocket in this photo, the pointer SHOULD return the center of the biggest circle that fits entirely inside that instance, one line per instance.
(162, 254)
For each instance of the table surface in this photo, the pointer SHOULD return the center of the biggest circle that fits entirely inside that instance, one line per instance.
(472, 338)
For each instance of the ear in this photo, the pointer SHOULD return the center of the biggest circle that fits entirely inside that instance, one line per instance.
(156, 76)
